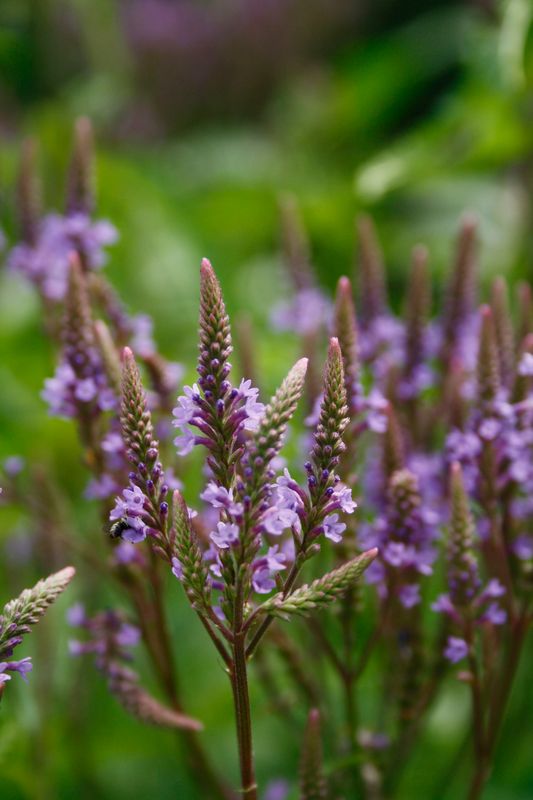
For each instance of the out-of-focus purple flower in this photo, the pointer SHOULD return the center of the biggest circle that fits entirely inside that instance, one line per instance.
(126, 553)
(277, 789)
(13, 466)
(409, 595)
(65, 391)
(101, 488)
(523, 547)
(46, 263)
(308, 311)
(525, 367)
(494, 614)
(456, 649)
(141, 341)
(76, 615)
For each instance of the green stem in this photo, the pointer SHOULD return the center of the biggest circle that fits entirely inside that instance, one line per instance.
(239, 681)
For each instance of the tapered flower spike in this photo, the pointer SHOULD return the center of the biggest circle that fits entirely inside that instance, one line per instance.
(295, 245)
(345, 329)
(321, 592)
(488, 366)
(393, 444)
(135, 417)
(80, 182)
(109, 354)
(371, 272)
(333, 417)
(454, 406)
(463, 576)
(215, 335)
(417, 310)
(28, 193)
(504, 329)
(30, 606)
(191, 566)
(460, 296)
(78, 331)
(312, 779)
(404, 498)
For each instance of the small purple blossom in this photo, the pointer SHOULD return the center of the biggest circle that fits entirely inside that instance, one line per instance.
(456, 649)
(226, 535)
(333, 529)
(220, 497)
(46, 262)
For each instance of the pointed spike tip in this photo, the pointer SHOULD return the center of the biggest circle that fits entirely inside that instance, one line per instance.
(344, 286)
(314, 716)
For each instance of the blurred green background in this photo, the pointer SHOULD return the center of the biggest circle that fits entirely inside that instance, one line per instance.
(205, 113)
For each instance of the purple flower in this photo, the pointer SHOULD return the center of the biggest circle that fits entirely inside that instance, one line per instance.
(333, 529)
(489, 429)
(13, 466)
(187, 406)
(101, 488)
(342, 496)
(135, 499)
(46, 263)
(219, 497)
(185, 442)
(277, 789)
(254, 410)
(456, 649)
(226, 534)
(276, 519)
(3, 677)
(127, 635)
(141, 341)
(308, 311)
(22, 667)
(494, 614)
(525, 367)
(376, 405)
(409, 595)
(523, 547)
(129, 509)
(265, 567)
(177, 569)
(127, 553)
(76, 615)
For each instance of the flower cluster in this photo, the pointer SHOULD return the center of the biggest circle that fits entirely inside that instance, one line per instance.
(254, 518)
(45, 262)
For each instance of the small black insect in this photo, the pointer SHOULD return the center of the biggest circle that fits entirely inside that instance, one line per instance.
(117, 528)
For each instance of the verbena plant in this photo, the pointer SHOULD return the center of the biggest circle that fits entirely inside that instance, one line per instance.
(426, 420)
